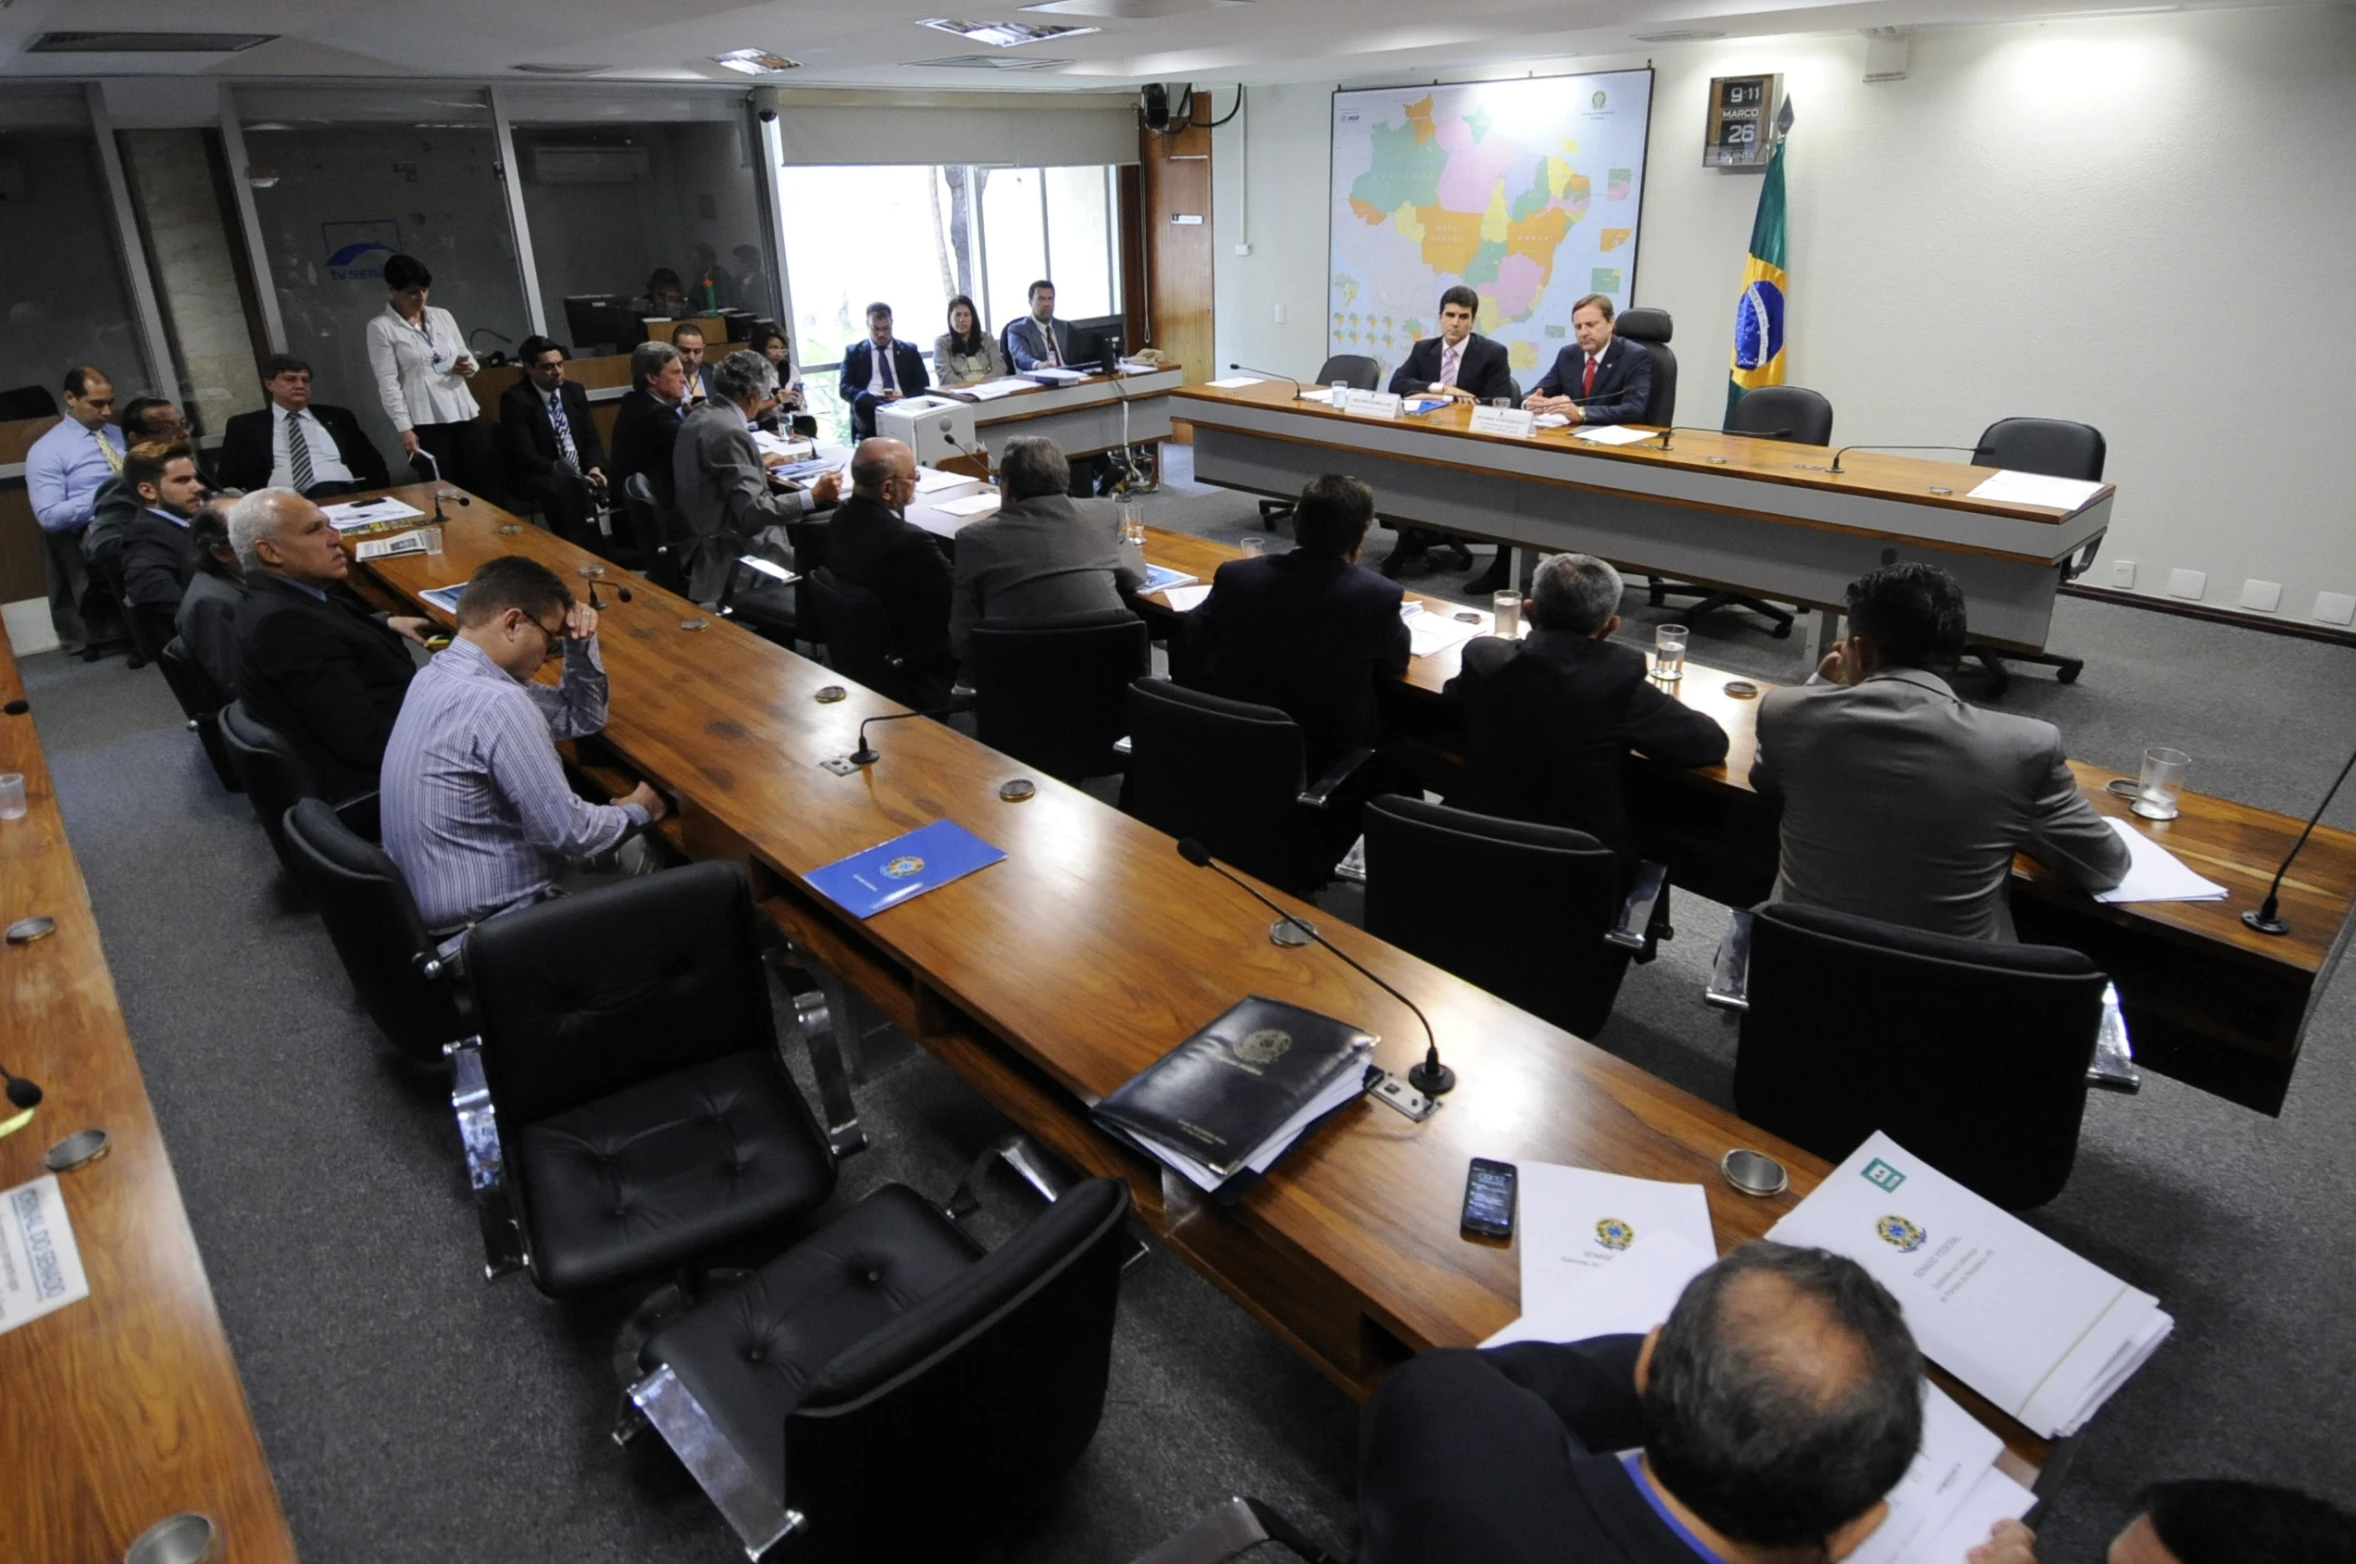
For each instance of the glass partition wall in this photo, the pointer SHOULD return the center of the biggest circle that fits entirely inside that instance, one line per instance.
(63, 297)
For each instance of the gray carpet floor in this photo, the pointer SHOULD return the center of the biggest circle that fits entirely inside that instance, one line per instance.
(413, 1412)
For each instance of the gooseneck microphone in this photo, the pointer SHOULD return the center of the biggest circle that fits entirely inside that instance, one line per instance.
(1271, 374)
(2268, 919)
(863, 756)
(21, 1092)
(1760, 434)
(1846, 449)
(1431, 1077)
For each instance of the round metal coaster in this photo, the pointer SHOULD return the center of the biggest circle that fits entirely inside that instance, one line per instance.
(1940, 488)
(1290, 932)
(828, 694)
(1715, 461)
(1016, 791)
(1742, 689)
(1755, 1173)
(76, 1150)
(182, 1539)
(593, 570)
(509, 530)
(26, 930)
(695, 624)
(2124, 787)
(1467, 616)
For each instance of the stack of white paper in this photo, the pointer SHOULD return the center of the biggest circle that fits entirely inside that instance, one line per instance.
(1614, 434)
(2040, 1332)
(1132, 366)
(1186, 599)
(1347, 1083)
(353, 515)
(2032, 488)
(1055, 375)
(931, 480)
(1233, 382)
(1953, 1490)
(1429, 632)
(795, 449)
(992, 390)
(1603, 1253)
(972, 504)
(2156, 874)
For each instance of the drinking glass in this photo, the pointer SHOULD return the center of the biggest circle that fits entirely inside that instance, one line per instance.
(1507, 606)
(433, 539)
(12, 795)
(1501, 401)
(1132, 522)
(2162, 781)
(1341, 392)
(1253, 545)
(1668, 651)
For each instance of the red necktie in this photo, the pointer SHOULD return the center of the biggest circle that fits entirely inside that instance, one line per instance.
(1587, 387)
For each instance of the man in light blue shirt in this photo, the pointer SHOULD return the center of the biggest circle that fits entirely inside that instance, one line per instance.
(63, 473)
(475, 805)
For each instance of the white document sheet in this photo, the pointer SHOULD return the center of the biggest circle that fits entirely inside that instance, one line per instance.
(1429, 632)
(971, 505)
(1061, 376)
(1614, 434)
(1234, 382)
(1550, 421)
(1994, 1497)
(1633, 1296)
(40, 1264)
(2044, 1334)
(992, 390)
(352, 515)
(794, 449)
(931, 480)
(1956, 1452)
(1576, 1222)
(2157, 874)
(2034, 488)
(1185, 598)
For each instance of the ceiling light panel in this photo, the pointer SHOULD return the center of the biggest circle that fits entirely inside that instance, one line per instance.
(1002, 35)
(994, 62)
(756, 62)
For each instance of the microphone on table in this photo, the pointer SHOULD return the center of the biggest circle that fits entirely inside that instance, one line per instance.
(2268, 919)
(622, 592)
(1761, 434)
(21, 1092)
(1431, 1077)
(863, 756)
(1271, 374)
(1846, 449)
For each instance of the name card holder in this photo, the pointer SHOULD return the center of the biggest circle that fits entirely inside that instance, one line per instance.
(1515, 422)
(1372, 404)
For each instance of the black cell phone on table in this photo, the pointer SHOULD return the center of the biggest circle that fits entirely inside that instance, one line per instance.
(1489, 1199)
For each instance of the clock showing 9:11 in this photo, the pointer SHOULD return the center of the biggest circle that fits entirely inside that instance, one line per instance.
(1741, 128)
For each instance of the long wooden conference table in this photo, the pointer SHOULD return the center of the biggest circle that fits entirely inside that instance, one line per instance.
(1049, 979)
(124, 1408)
(1742, 513)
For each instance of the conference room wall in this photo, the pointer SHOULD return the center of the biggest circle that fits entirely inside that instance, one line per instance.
(2141, 222)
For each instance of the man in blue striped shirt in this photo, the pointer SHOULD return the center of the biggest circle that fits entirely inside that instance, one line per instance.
(475, 806)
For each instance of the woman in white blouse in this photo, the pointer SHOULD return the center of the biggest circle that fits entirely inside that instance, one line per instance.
(421, 362)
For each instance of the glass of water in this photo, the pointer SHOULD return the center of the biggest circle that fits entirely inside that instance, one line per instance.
(1341, 392)
(1132, 522)
(1668, 651)
(1507, 606)
(433, 539)
(2161, 784)
(12, 796)
(1253, 545)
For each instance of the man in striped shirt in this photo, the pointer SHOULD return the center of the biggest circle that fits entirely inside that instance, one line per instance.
(476, 808)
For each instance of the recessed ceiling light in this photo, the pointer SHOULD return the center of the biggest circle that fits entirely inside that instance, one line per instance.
(1675, 35)
(994, 62)
(1003, 35)
(756, 62)
(542, 68)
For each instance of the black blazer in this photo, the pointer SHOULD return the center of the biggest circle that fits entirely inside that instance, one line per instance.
(868, 545)
(157, 561)
(1311, 636)
(1623, 381)
(1485, 370)
(527, 440)
(245, 448)
(1548, 723)
(646, 433)
(329, 675)
(1506, 1457)
(859, 367)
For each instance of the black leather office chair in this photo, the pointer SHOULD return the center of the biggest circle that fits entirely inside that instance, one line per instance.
(1056, 695)
(200, 701)
(1548, 931)
(22, 402)
(1654, 328)
(276, 779)
(763, 596)
(1792, 413)
(2055, 448)
(1234, 776)
(859, 635)
(1970, 1054)
(625, 1109)
(1359, 373)
(810, 540)
(409, 988)
(650, 530)
(151, 627)
(885, 1350)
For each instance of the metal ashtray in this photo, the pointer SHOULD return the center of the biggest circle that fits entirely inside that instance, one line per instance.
(695, 624)
(830, 693)
(1016, 791)
(593, 570)
(1742, 689)
(181, 1539)
(1467, 616)
(510, 529)
(77, 1150)
(1754, 1173)
(26, 930)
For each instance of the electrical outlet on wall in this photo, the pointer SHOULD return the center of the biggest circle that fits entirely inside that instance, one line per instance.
(2188, 583)
(2335, 608)
(1280, 314)
(2122, 573)
(1244, 248)
(2264, 596)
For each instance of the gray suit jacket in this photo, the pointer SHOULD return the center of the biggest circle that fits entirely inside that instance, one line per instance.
(207, 622)
(1042, 558)
(724, 496)
(1027, 344)
(1901, 802)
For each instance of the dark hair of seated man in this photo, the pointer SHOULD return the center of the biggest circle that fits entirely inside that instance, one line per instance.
(512, 581)
(1332, 515)
(1912, 613)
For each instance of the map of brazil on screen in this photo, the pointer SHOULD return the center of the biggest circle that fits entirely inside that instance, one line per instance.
(1526, 191)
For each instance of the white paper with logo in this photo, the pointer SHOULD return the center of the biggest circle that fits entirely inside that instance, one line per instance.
(1956, 1451)
(1631, 1297)
(40, 1264)
(1574, 1222)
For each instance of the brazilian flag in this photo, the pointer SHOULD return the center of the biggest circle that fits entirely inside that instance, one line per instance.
(1758, 315)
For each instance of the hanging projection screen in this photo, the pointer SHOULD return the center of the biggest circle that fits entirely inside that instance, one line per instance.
(1526, 191)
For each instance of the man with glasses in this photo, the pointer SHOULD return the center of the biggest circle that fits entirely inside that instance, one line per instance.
(64, 471)
(476, 807)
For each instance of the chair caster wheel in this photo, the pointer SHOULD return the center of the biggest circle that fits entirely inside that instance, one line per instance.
(1781, 632)
(2069, 675)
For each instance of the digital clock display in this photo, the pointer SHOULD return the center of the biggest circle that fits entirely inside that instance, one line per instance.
(1746, 94)
(1741, 111)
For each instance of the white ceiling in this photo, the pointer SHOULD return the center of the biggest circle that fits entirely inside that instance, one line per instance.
(867, 43)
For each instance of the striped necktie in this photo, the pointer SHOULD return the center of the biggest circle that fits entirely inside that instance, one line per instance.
(298, 454)
(106, 448)
(564, 431)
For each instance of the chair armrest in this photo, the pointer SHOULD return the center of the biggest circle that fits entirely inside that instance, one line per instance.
(486, 1160)
(725, 1476)
(2113, 1067)
(1321, 791)
(1639, 914)
(1730, 974)
(359, 815)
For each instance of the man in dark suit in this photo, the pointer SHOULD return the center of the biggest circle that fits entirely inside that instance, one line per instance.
(157, 557)
(549, 442)
(316, 450)
(1549, 720)
(879, 370)
(207, 616)
(1763, 1422)
(1308, 632)
(646, 425)
(1039, 556)
(870, 543)
(1600, 380)
(1040, 339)
(689, 340)
(312, 661)
(1459, 363)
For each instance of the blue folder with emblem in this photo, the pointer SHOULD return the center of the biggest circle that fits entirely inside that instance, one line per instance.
(1160, 578)
(886, 875)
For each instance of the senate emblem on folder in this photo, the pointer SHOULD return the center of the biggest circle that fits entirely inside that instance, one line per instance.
(904, 867)
(1900, 1234)
(1613, 1233)
(1264, 1046)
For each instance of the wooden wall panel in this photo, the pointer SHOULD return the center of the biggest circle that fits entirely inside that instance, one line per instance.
(22, 573)
(1177, 179)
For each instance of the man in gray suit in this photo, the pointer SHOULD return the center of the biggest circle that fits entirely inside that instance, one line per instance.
(1902, 803)
(1041, 556)
(725, 495)
(1039, 339)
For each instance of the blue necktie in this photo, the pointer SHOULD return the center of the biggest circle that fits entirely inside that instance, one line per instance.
(890, 384)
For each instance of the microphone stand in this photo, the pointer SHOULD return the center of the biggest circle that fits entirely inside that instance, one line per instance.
(1764, 434)
(2268, 919)
(1846, 449)
(863, 756)
(1270, 373)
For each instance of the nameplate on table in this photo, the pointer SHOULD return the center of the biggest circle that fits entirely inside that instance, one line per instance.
(390, 548)
(40, 1264)
(1371, 404)
(892, 872)
(1516, 423)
